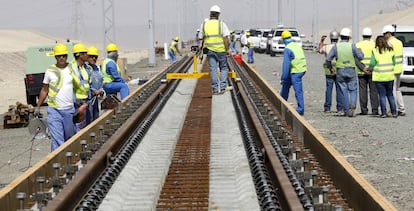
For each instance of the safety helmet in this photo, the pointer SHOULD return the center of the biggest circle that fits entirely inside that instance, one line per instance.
(79, 48)
(345, 32)
(176, 38)
(286, 34)
(215, 8)
(198, 30)
(60, 49)
(334, 35)
(93, 51)
(366, 32)
(111, 47)
(247, 33)
(388, 28)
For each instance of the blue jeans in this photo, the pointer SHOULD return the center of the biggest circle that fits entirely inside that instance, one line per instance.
(385, 89)
(330, 81)
(347, 79)
(295, 80)
(172, 56)
(218, 60)
(250, 58)
(233, 48)
(115, 87)
(61, 127)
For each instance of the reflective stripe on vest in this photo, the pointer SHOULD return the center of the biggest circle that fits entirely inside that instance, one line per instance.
(345, 56)
(366, 47)
(384, 69)
(54, 87)
(298, 64)
(107, 78)
(83, 76)
(213, 35)
(398, 53)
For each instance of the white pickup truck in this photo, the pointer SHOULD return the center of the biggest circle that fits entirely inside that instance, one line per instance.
(406, 35)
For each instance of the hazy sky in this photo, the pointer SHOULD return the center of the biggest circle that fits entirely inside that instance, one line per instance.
(180, 17)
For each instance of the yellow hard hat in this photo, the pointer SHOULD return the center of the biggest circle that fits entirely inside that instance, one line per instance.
(60, 49)
(247, 33)
(79, 48)
(93, 51)
(286, 34)
(176, 38)
(111, 47)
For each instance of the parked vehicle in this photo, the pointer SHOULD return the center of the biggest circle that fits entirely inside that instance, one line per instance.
(277, 45)
(406, 35)
(263, 41)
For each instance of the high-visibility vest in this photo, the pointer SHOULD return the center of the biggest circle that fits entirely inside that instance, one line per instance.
(83, 76)
(398, 53)
(108, 78)
(345, 56)
(172, 46)
(366, 47)
(298, 64)
(328, 48)
(213, 35)
(384, 69)
(55, 86)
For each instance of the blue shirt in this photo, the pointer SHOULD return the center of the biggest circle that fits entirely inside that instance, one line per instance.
(111, 69)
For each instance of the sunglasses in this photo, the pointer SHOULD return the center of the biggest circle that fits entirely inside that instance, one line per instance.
(93, 57)
(61, 56)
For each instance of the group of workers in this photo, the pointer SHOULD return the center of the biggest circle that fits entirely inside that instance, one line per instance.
(371, 67)
(73, 89)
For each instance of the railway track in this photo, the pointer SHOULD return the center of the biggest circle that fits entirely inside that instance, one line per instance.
(291, 166)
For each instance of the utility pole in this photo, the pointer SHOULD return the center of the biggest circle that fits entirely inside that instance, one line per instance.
(355, 21)
(151, 47)
(76, 18)
(108, 22)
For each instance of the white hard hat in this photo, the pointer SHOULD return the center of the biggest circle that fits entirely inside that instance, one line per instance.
(388, 28)
(215, 8)
(345, 32)
(366, 32)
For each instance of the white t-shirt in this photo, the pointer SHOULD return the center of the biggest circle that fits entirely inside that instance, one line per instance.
(65, 96)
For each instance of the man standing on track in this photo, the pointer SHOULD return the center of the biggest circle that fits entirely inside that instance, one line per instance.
(293, 69)
(215, 35)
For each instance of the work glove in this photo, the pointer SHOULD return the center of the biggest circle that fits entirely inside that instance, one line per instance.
(37, 112)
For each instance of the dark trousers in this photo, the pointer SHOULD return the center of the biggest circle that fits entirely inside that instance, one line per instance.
(366, 86)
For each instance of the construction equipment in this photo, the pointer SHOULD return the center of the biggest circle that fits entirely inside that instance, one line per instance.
(18, 115)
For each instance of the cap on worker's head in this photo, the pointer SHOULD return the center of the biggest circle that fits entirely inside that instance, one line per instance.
(346, 32)
(286, 34)
(79, 48)
(334, 35)
(366, 32)
(60, 49)
(388, 28)
(176, 38)
(111, 47)
(93, 51)
(215, 8)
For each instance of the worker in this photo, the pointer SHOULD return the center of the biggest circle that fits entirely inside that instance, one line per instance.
(382, 67)
(215, 35)
(198, 41)
(96, 82)
(82, 94)
(331, 76)
(173, 49)
(293, 69)
(396, 44)
(233, 48)
(250, 46)
(58, 86)
(243, 42)
(345, 54)
(112, 80)
(365, 79)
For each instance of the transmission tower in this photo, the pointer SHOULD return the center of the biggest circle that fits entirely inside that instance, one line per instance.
(76, 18)
(109, 22)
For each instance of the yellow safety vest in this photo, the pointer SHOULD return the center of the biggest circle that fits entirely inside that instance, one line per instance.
(172, 46)
(345, 56)
(328, 48)
(366, 47)
(55, 86)
(398, 53)
(384, 69)
(81, 92)
(107, 78)
(298, 64)
(213, 35)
